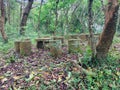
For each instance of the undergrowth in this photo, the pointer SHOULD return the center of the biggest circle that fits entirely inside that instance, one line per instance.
(107, 77)
(107, 71)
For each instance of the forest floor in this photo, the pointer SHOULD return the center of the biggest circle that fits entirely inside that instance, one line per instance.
(40, 71)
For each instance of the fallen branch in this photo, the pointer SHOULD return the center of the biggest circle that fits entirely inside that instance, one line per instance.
(81, 69)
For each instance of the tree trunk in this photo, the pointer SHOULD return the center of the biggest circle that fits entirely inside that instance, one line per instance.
(21, 9)
(39, 15)
(25, 16)
(56, 17)
(109, 29)
(8, 11)
(2, 20)
(66, 21)
(90, 24)
(118, 23)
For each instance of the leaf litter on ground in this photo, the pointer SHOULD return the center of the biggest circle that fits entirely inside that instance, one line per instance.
(41, 70)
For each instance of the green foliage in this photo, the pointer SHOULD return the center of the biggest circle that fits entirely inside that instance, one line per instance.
(6, 46)
(75, 80)
(116, 39)
(107, 77)
(43, 87)
(11, 59)
(87, 56)
(106, 73)
(33, 87)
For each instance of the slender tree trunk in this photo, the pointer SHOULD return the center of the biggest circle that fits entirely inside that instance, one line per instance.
(66, 21)
(103, 6)
(90, 24)
(25, 16)
(21, 9)
(8, 11)
(109, 29)
(56, 16)
(38, 26)
(2, 21)
(118, 23)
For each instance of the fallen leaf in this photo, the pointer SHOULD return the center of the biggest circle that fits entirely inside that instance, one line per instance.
(1, 77)
(118, 73)
(16, 77)
(31, 76)
(3, 80)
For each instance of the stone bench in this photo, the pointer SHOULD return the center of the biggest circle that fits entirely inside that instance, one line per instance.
(23, 47)
(41, 42)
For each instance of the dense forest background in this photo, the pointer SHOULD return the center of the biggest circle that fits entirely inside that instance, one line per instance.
(72, 17)
(83, 51)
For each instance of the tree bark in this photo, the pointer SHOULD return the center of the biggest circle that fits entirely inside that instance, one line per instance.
(109, 29)
(2, 20)
(90, 24)
(21, 9)
(39, 15)
(56, 16)
(8, 11)
(25, 16)
(66, 21)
